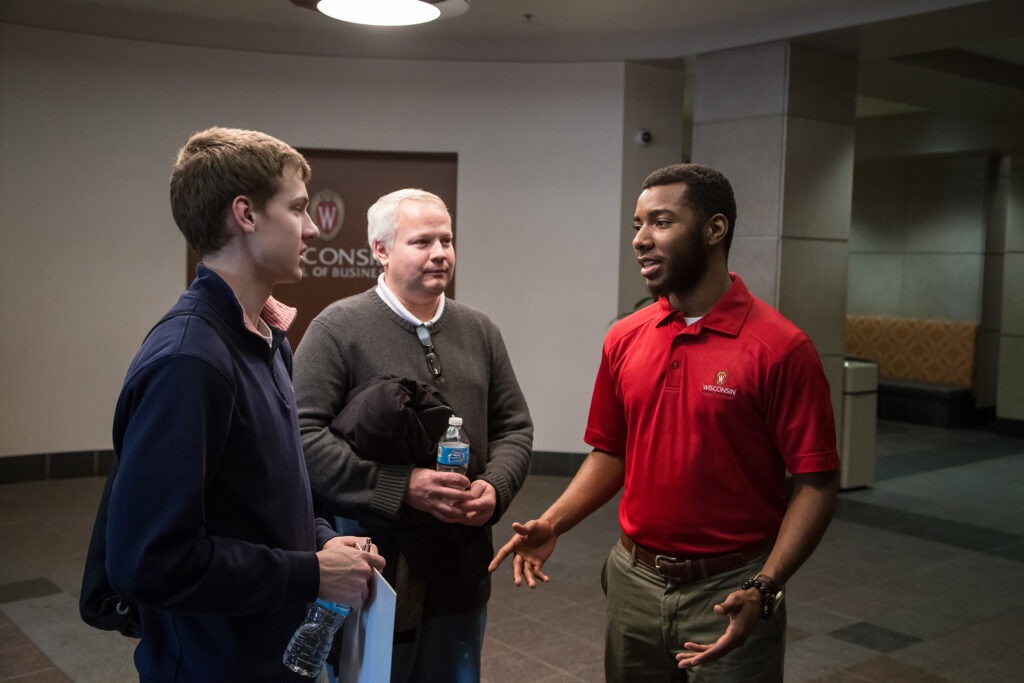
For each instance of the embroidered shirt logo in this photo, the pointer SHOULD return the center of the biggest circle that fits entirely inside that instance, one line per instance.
(719, 387)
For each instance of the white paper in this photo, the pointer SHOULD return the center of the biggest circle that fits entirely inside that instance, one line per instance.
(367, 637)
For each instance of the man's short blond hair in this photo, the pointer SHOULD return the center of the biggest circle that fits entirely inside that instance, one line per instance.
(382, 217)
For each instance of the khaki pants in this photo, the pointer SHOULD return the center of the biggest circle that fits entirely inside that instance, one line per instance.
(650, 617)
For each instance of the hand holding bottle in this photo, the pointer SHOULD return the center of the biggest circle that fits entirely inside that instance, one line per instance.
(308, 648)
(438, 493)
(479, 509)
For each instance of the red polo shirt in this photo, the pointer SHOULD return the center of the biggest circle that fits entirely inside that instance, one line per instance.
(709, 417)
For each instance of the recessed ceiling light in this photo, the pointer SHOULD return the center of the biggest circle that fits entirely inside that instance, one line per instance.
(380, 12)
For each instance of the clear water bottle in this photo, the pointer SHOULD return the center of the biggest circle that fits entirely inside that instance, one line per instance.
(308, 648)
(453, 450)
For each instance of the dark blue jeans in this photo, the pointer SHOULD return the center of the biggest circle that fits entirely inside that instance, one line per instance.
(445, 648)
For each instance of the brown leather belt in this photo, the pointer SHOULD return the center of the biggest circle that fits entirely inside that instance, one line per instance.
(684, 570)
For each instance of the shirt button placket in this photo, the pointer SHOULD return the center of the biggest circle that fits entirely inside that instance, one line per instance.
(675, 365)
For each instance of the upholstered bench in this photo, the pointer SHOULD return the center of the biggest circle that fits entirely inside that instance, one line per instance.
(925, 367)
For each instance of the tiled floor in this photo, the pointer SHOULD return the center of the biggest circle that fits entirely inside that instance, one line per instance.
(920, 578)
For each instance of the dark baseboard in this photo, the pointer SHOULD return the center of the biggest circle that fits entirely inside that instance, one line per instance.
(40, 466)
(556, 463)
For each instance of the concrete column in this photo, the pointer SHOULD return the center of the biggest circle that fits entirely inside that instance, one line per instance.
(652, 102)
(1010, 381)
(778, 121)
(986, 369)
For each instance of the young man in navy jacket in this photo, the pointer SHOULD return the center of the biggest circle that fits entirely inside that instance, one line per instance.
(211, 528)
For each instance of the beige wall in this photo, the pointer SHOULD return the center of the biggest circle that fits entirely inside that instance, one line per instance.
(90, 258)
(654, 103)
(548, 170)
(917, 238)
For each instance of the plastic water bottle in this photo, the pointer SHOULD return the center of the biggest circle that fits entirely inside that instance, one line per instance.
(453, 450)
(308, 648)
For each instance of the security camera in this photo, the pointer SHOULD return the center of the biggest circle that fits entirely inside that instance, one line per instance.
(643, 137)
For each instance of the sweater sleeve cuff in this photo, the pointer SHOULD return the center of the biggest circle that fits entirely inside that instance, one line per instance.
(324, 532)
(504, 493)
(304, 577)
(388, 494)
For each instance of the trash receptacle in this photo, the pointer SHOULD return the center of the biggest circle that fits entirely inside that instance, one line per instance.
(860, 420)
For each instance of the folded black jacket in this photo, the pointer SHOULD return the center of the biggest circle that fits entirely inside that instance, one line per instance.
(394, 421)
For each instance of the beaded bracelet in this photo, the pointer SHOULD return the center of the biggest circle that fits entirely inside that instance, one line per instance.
(767, 590)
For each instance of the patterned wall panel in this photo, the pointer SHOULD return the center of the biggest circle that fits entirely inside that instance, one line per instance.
(934, 351)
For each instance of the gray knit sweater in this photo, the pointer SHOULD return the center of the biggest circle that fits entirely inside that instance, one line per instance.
(358, 338)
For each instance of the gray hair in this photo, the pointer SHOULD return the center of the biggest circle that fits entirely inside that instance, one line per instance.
(382, 217)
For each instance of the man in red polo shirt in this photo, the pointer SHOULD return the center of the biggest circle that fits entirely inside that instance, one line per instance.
(702, 402)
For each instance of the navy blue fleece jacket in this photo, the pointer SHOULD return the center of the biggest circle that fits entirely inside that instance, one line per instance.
(211, 526)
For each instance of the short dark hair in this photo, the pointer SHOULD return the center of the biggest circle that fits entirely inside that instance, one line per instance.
(707, 191)
(215, 166)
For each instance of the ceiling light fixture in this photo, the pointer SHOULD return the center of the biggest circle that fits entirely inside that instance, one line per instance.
(385, 12)
(380, 12)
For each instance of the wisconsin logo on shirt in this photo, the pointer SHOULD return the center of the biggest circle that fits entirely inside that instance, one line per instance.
(719, 388)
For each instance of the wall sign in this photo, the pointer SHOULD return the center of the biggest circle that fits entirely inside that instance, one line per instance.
(344, 185)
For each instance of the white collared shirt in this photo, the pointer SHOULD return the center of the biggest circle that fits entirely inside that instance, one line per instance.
(395, 305)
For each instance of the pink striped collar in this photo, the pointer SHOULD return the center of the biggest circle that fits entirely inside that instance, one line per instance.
(275, 314)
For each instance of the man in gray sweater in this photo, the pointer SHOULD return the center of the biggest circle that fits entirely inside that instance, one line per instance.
(432, 527)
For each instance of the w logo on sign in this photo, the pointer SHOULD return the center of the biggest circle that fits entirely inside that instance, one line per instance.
(327, 209)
